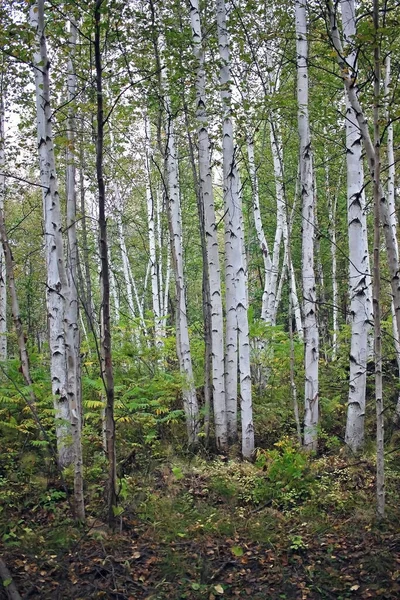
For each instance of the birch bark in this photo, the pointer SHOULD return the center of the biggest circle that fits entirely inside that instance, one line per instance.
(3, 275)
(213, 266)
(359, 277)
(175, 226)
(392, 207)
(53, 240)
(311, 338)
(72, 337)
(151, 225)
(237, 339)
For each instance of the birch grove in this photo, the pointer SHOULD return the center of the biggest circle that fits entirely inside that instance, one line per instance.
(173, 290)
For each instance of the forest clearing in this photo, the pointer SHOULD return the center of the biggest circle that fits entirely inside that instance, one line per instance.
(199, 300)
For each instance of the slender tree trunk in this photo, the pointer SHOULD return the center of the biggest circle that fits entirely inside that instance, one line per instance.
(359, 278)
(380, 464)
(392, 208)
(311, 337)
(152, 223)
(89, 309)
(56, 279)
(72, 303)
(107, 367)
(3, 272)
(276, 149)
(332, 210)
(175, 227)
(211, 256)
(259, 226)
(125, 260)
(237, 332)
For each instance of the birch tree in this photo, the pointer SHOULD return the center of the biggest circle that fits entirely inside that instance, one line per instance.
(237, 349)
(359, 270)
(3, 274)
(175, 226)
(213, 266)
(53, 239)
(311, 339)
(152, 223)
(61, 304)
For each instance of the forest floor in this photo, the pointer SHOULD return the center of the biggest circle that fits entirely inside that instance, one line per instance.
(210, 530)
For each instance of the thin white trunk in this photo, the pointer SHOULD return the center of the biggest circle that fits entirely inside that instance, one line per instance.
(125, 260)
(56, 293)
(359, 278)
(276, 149)
(207, 199)
(392, 209)
(235, 273)
(113, 289)
(311, 337)
(72, 337)
(151, 225)
(259, 225)
(175, 225)
(166, 288)
(332, 206)
(3, 277)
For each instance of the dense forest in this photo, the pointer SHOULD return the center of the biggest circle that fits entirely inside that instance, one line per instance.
(199, 299)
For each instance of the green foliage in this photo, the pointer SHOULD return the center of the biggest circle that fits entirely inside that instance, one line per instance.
(288, 472)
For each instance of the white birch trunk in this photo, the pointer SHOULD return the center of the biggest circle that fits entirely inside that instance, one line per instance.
(311, 337)
(3, 277)
(259, 226)
(332, 206)
(125, 260)
(207, 199)
(175, 225)
(53, 240)
(72, 337)
(113, 289)
(235, 275)
(359, 278)
(151, 225)
(276, 149)
(392, 209)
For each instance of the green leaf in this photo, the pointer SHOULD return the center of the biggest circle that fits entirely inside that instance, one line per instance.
(177, 471)
(237, 551)
(7, 582)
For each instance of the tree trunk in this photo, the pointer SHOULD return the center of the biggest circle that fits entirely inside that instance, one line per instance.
(3, 274)
(107, 367)
(175, 227)
(211, 256)
(72, 303)
(56, 276)
(311, 338)
(237, 332)
(152, 224)
(359, 278)
(380, 462)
